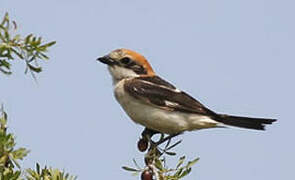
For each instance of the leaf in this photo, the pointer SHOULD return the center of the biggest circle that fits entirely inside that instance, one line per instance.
(168, 143)
(14, 161)
(1, 36)
(38, 42)
(135, 163)
(20, 153)
(129, 169)
(186, 172)
(5, 19)
(3, 159)
(191, 163)
(14, 25)
(158, 164)
(7, 36)
(2, 27)
(44, 56)
(171, 153)
(5, 64)
(13, 46)
(35, 69)
(38, 168)
(5, 72)
(16, 175)
(178, 172)
(175, 144)
(16, 38)
(17, 53)
(28, 38)
(48, 44)
(180, 162)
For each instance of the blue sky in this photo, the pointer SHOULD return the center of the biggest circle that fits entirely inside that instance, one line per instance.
(236, 57)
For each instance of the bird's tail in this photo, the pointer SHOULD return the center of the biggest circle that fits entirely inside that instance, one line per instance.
(245, 122)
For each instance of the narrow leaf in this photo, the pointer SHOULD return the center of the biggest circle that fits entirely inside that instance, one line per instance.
(172, 146)
(191, 163)
(186, 172)
(129, 169)
(158, 164)
(171, 153)
(28, 38)
(180, 162)
(35, 69)
(135, 163)
(49, 44)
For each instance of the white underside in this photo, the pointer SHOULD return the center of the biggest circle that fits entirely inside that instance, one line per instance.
(158, 119)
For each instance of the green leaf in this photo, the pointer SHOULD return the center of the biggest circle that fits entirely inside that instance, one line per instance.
(178, 172)
(135, 163)
(20, 153)
(28, 38)
(129, 169)
(16, 38)
(15, 162)
(186, 172)
(5, 19)
(5, 71)
(49, 44)
(44, 56)
(31, 48)
(158, 164)
(14, 25)
(5, 64)
(171, 153)
(35, 69)
(191, 163)
(180, 162)
(6, 36)
(38, 168)
(38, 42)
(17, 53)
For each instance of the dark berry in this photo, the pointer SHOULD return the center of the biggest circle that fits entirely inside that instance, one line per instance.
(142, 145)
(147, 175)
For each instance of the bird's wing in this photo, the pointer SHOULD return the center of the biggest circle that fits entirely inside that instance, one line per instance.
(158, 92)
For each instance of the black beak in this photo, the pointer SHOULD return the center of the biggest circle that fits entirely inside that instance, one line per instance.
(106, 60)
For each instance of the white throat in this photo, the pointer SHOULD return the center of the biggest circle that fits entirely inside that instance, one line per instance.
(118, 73)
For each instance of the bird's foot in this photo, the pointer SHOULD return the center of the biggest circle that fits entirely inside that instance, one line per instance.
(146, 141)
(167, 138)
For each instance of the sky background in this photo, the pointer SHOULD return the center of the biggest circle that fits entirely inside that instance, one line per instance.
(236, 57)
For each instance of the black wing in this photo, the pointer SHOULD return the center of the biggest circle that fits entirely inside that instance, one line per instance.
(160, 93)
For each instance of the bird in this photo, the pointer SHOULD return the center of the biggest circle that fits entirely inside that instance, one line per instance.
(158, 105)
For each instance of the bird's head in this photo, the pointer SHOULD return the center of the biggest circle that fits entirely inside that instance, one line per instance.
(124, 63)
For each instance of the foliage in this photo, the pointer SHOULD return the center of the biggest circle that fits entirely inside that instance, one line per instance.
(48, 174)
(156, 167)
(30, 48)
(10, 156)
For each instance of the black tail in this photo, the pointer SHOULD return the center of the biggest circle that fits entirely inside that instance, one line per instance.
(245, 122)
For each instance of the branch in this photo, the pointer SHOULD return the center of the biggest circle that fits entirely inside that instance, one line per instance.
(155, 160)
(30, 48)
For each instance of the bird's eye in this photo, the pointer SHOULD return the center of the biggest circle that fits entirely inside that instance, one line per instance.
(125, 60)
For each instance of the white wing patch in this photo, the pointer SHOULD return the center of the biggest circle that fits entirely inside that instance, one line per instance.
(177, 90)
(169, 103)
(162, 86)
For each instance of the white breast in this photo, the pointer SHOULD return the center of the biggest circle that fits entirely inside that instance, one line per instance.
(158, 119)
